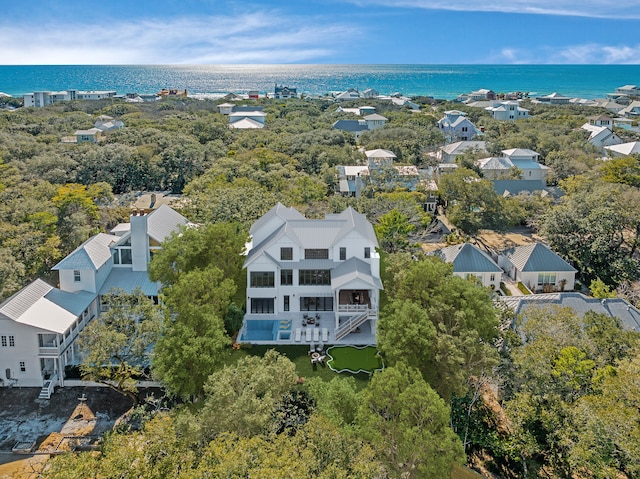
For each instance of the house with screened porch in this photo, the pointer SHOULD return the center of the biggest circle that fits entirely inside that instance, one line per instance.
(39, 325)
(313, 281)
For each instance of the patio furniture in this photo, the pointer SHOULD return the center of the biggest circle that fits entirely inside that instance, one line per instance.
(298, 334)
(308, 335)
(316, 335)
(325, 335)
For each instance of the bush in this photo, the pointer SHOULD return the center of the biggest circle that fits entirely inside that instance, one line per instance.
(523, 288)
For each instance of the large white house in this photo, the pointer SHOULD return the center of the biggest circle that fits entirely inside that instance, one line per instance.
(40, 323)
(311, 281)
(41, 99)
(507, 110)
(522, 159)
(455, 126)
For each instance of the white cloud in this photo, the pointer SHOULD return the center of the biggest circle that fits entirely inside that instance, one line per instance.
(585, 54)
(625, 9)
(253, 38)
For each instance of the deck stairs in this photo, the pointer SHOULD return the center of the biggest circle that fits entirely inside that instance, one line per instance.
(353, 322)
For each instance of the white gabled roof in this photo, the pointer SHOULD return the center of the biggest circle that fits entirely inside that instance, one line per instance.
(520, 152)
(309, 233)
(354, 270)
(164, 221)
(91, 254)
(246, 124)
(462, 146)
(625, 148)
(375, 116)
(42, 306)
(379, 153)
(495, 163)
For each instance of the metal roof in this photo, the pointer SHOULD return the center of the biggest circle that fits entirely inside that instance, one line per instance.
(164, 221)
(613, 307)
(91, 254)
(536, 257)
(468, 258)
(42, 306)
(16, 305)
(350, 125)
(354, 269)
(380, 153)
(128, 280)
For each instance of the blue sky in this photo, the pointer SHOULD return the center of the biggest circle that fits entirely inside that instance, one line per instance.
(311, 31)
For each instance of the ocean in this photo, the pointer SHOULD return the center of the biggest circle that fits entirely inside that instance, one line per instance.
(439, 81)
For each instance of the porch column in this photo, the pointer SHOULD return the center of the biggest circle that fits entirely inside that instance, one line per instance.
(336, 302)
(60, 371)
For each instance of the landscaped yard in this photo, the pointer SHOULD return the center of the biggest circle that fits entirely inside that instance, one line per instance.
(354, 359)
(299, 354)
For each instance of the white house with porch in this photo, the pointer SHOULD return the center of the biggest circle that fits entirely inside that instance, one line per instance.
(311, 281)
(40, 323)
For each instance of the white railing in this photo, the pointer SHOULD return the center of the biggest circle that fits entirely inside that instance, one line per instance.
(352, 308)
(49, 387)
(352, 323)
(48, 350)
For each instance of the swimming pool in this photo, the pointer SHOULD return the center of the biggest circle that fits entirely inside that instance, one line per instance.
(266, 330)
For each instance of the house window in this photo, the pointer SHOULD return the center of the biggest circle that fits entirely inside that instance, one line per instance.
(286, 303)
(313, 277)
(12, 341)
(116, 257)
(464, 128)
(343, 254)
(286, 254)
(125, 256)
(546, 278)
(76, 276)
(4, 341)
(286, 277)
(262, 279)
(23, 367)
(367, 252)
(492, 278)
(321, 303)
(262, 305)
(316, 254)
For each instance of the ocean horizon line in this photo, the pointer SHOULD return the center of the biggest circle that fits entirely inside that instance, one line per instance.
(443, 81)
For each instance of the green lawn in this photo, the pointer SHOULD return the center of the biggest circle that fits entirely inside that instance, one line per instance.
(299, 354)
(351, 358)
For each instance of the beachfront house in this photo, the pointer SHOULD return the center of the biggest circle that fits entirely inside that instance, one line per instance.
(40, 99)
(284, 92)
(39, 325)
(538, 268)
(311, 281)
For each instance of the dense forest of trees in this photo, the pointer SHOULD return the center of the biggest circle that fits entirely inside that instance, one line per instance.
(558, 400)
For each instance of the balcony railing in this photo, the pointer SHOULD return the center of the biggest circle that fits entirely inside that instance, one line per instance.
(352, 308)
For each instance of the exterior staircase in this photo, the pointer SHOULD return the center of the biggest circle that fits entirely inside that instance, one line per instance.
(353, 322)
(48, 388)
